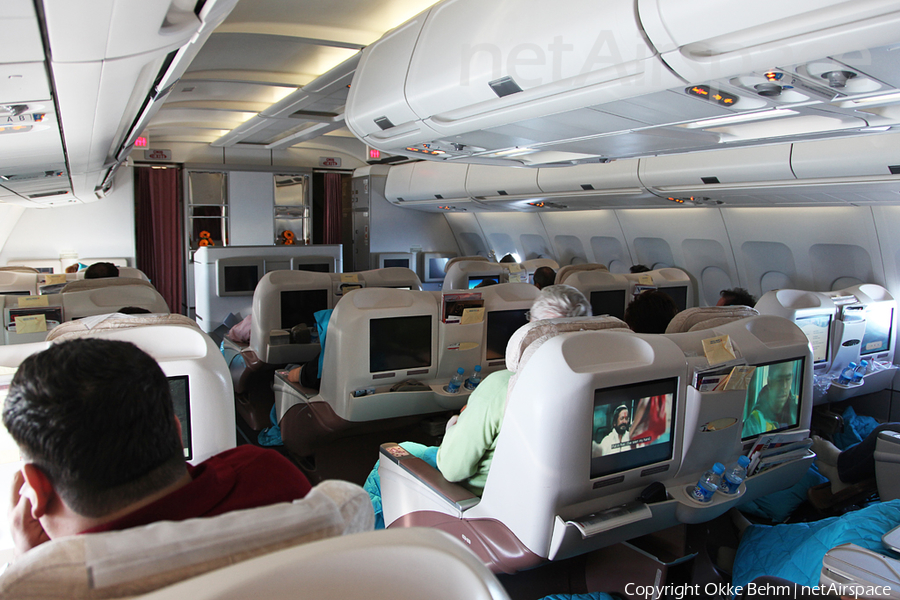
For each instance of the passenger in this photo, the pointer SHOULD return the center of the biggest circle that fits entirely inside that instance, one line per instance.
(639, 268)
(776, 406)
(468, 446)
(617, 439)
(509, 258)
(650, 312)
(100, 270)
(543, 277)
(853, 465)
(102, 447)
(736, 297)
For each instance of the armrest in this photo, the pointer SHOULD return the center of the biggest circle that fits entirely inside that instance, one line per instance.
(453, 493)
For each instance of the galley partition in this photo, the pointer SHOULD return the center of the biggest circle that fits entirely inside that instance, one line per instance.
(843, 326)
(581, 490)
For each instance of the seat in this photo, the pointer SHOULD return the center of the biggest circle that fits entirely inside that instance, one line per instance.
(80, 285)
(567, 270)
(19, 269)
(385, 565)
(142, 559)
(105, 299)
(707, 317)
(460, 272)
(457, 259)
(84, 327)
(16, 281)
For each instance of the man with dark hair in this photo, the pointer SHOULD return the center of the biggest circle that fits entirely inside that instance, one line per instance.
(736, 297)
(543, 277)
(95, 425)
(618, 437)
(100, 270)
(650, 312)
(509, 258)
(640, 268)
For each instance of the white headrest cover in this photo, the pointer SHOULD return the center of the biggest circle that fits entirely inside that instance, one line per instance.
(568, 270)
(142, 559)
(707, 317)
(81, 285)
(84, 327)
(528, 338)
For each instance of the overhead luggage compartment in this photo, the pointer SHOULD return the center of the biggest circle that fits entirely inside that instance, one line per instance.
(870, 157)
(426, 181)
(535, 83)
(488, 181)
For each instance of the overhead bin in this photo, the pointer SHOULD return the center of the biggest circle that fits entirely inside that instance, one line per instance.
(688, 173)
(484, 180)
(869, 156)
(619, 176)
(415, 182)
(533, 82)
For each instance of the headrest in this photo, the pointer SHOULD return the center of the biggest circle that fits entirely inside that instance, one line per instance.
(707, 317)
(529, 338)
(143, 559)
(82, 285)
(20, 269)
(84, 327)
(567, 270)
(457, 259)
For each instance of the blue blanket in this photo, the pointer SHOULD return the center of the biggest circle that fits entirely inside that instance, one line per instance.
(795, 551)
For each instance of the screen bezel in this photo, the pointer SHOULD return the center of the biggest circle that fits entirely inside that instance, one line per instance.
(434, 274)
(374, 342)
(223, 264)
(635, 458)
(797, 412)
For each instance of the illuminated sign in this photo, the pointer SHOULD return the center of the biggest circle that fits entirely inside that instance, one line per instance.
(705, 93)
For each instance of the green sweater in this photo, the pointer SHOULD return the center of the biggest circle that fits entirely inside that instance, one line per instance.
(468, 447)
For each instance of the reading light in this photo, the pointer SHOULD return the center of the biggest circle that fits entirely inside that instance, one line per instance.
(838, 79)
(757, 116)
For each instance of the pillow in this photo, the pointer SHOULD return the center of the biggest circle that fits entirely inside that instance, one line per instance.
(778, 506)
(856, 428)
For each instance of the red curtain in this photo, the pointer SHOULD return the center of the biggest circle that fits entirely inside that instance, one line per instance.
(158, 232)
(333, 196)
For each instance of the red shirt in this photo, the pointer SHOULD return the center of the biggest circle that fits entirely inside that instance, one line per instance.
(243, 477)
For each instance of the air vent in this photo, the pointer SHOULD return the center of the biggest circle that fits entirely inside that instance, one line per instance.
(384, 123)
(48, 194)
(586, 186)
(895, 169)
(502, 193)
(505, 86)
(438, 196)
(709, 180)
(607, 482)
(31, 176)
(300, 114)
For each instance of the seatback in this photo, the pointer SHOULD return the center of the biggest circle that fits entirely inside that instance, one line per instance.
(887, 465)
(142, 559)
(14, 307)
(110, 298)
(386, 565)
(568, 270)
(392, 277)
(17, 281)
(707, 317)
(81, 285)
(378, 337)
(283, 299)
(460, 272)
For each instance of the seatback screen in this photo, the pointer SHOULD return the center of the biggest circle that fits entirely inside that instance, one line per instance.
(773, 397)
(397, 343)
(435, 269)
(299, 306)
(483, 281)
(313, 267)
(818, 331)
(181, 402)
(241, 278)
(608, 302)
(501, 324)
(633, 426)
(396, 262)
(678, 295)
(879, 327)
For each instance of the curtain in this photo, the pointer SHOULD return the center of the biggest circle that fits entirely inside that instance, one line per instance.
(158, 231)
(333, 195)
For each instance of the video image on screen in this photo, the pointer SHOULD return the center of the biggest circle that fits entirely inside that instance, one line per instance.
(501, 324)
(608, 302)
(241, 278)
(483, 281)
(397, 343)
(879, 327)
(773, 397)
(632, 426)
(817, 330)
(181, 402)
(300, 306)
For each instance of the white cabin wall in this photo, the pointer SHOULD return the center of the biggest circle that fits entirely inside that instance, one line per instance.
(593, 236)
(820, 249)
(394, 229)
(95, 229)
(520, 233)
(693, 239)
(9, 217)
(468, 233)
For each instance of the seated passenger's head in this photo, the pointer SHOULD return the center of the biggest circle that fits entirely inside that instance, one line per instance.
(544, 277)
(556, 301)
(650, 312)
(736, 297)
(94, 422)
(640, 268)
(100, 270)
(509, 258)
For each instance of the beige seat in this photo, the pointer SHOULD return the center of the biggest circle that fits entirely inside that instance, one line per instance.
(84, 327)
(142, 559)
(81, 285)
(457, 259)
(707, 317)
(385, 565)
(15, 269)
(568, 270)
